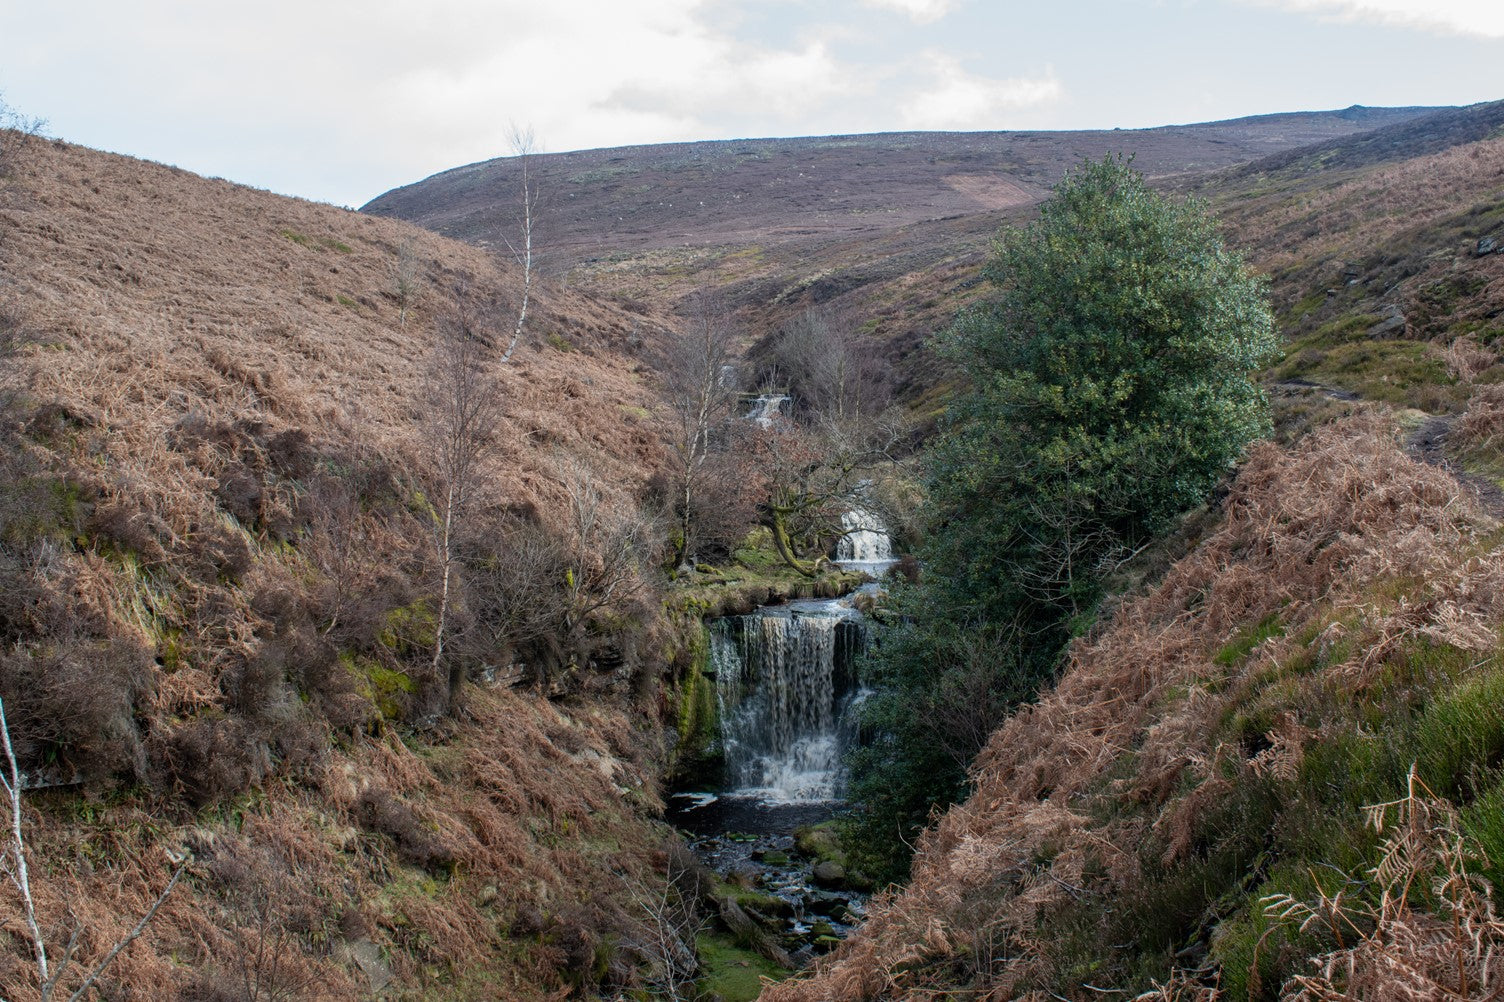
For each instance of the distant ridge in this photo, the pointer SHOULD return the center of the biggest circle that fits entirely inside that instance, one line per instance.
(771, 191)
(1431, 131)
(1358, 113)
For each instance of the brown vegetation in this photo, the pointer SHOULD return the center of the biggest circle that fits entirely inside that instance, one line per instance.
(1091, 800)
(218, 598)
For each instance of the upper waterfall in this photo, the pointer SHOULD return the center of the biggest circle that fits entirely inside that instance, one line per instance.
(864, 544)
(766, 407)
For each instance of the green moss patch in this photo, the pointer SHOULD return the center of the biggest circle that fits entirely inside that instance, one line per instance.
(733, 972)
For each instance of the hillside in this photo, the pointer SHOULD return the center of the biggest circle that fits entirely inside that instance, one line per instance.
(1217, 744)
(615, 203)
(224, 468)
(885, 234)
(218, 570)
(1388, 220)
(1276, 771)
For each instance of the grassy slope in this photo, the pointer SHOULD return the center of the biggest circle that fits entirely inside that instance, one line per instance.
(204, 356)
(1218, 739)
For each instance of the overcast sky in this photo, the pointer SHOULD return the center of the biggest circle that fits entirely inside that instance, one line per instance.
(339, 101)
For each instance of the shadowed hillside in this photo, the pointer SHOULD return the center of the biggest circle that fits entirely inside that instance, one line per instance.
(218, 576)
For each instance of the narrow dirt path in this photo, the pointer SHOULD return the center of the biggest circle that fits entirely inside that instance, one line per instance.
(1427, 443)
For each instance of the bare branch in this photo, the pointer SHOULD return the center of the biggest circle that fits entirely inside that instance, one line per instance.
(16, 870)
(129, 938)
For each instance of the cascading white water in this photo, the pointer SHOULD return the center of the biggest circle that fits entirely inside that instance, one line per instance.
(767, 407)
(864, 544)
(864, 537)
(785, 679)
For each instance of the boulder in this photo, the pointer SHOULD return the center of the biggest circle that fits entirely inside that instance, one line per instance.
(824, 903)
(1392, 324)
(1488, 245)
(830, 874)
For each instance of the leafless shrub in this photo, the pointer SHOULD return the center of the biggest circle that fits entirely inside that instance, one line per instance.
(381, 811)
(358, 551)
(406, 272)
(831, 375)
(17, 132)
(608, 545)
(73, 684)
(269, 907)
(517, 576)
(667, 929)
(211, 757)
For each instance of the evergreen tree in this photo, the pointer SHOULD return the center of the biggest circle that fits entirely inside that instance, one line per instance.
(1110, 386)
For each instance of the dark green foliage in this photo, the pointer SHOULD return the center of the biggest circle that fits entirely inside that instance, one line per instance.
(1109, 390)
(940, 687)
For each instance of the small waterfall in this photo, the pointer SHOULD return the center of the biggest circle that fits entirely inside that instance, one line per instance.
(786, 682)
(766, 407)
(864, 544)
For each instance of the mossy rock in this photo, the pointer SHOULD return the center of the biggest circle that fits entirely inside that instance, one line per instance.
(820, 843)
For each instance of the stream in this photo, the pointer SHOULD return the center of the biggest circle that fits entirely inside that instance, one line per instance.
(787, 692)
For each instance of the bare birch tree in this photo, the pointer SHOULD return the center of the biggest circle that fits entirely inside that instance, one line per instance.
(703, 399)
(13, 864)
(524, 147)
(463, 399)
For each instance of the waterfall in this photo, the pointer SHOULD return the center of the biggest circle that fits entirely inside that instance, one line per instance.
(864, 544)
(766, 407)
(786, 682)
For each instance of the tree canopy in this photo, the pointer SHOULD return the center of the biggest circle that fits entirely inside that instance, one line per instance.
(1110, 385)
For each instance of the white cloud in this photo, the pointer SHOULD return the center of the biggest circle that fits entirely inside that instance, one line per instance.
(1463, 17)
(957, 99)
(922, 11)
(340, 99)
